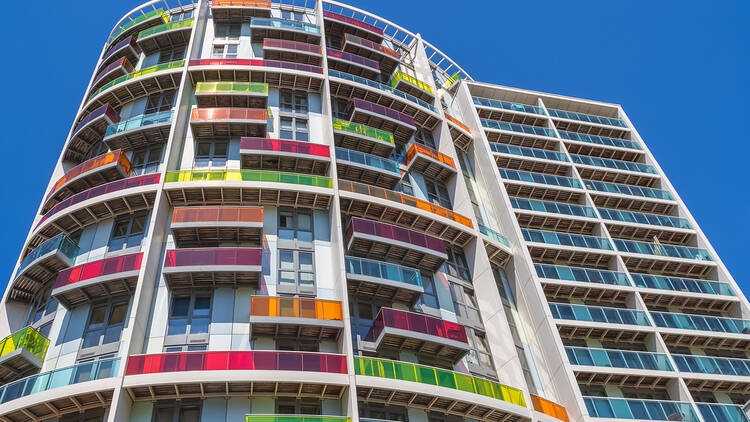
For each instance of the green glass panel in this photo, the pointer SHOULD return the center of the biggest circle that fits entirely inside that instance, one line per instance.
(405, 371)
(426, 375)
(446, 379)
(165, 27)
(465, 383)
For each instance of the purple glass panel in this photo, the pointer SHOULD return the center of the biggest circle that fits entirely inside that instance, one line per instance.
(213, 256)
(120, 45)
(104, 110)
(379, 109)
(418, 323)
(389, 232)
(353, 58)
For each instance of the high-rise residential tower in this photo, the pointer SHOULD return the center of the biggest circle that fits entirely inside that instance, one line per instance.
(303, 212)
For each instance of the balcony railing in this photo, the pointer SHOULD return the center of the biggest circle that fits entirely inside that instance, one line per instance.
(360, 61)
(295, 418)
(552, 207)
(211, 257)
(350, 38)
(417, 323)
(599, 314)
(681, 284)
(701, 323)
(258, 63)
(62, 377)
(712, 365)
(241, 3)
(586, 275)
(715, 412)
(649, 410)
(217, 215)
(457, 122)
(231, 88)
(403, 371)
(303, 47)
(290, 307)
(122, 45)
(389, 233)
(370, 160)
(96, 164)
(613, 164)
(157, 13)
(122, 64)
(609, 358)
(546, 179)
(514, 127)
(589, 118)
(528, 152)
(103, 277)
(105, 111)
(380, 110)
(236, 361)
(419, 149)
(247, 176)
(142, 72)
(628, 190)
(382, 87)
(566, 239)
(352, 22)
(60, 244)
(643, 218)
(284, 146)
(362, 130)
(383, 270)
(497, 237)
(673, 251)
(26, 339)
(187, 23)
(505, 105)
(210, 114)
(549, 408)
(138, 122)
(601, 140)
(399, 77)
(285, 24)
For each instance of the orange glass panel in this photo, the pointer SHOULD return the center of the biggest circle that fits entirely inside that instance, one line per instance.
(289, 307)
(457, 122)
(549, 408)
(92, 164)
(429, 152)
(216, 214)
(240, 3)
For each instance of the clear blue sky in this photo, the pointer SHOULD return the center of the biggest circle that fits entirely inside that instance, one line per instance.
(679, 68)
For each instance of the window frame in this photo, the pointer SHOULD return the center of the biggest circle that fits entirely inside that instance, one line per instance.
(179, 406)
(151, 160)
(187, 339)
(297, 287)
(129, 235)
(437, 193)
(228, 34)
(212, 160)
(172, 54)
(103, 350)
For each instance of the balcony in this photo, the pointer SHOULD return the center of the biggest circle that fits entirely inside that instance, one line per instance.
(292, 51)
(21, 353)
(140, 131)
(88, 132)
(566, 239)
(570, 312)
(212, 267)
(239, 10)
(381, 280)
(552, 207)
(283, 29)
(228, 373)
(540, 178)
(518, 128)
(412, 86)
(380, 117)
(589, 118)
(381, 241)
(362, 138)
(41, 265)
(549, 408)
(712, 365)
(201, 227)
(214, 123)
(386, 57)
(599, 140)
(338, 23)
(97, 279)
(460, 133)
(275, 73)
(568, 248)
(672, 251)
(670, 260)
(476, 407)
(577, 122)
(714, 412)
(295, 418)
(96, 204)
(244, 187)
(680, 236)
(63, 377)
(367, 168)
(497, 246)
(138, 24)
(429, 162)
(284, 155)
(168, 35)
(506, 105)
(431, 339)
(642, 410)
(609, 358)
(127, 48)
(583, 275)
(97, 171)
(701, 323)
(295, 318)
(628, 190)
(231, 94)
(352, 64)
(613, 164)
(111, 72)
(403, 210)
(677, 284)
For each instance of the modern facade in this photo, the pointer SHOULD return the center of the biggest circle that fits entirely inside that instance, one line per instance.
(301, 211)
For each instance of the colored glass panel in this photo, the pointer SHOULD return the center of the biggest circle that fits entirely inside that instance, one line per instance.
(165, 27)
(100, 268)
(394, 233)
(142, 72)
(26, 338)
(248, 176)
(92, 165)
(213, 257)
(236, 361)
(418, 323)
(217, 214)
(428, 152)
(291, 307)
(283, 145)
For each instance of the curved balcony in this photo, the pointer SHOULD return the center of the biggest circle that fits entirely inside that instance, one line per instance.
(200, 227)
(403, 210)
(227, 373)
(431, 339)
(139, 23)
(228, 122)
(97, 171)
(239, 10)
(128, 88)
(497, 246)
(212, 267)
(276, 73)
(97, 279)
(111, 72)
(387, 58)
(412, 86)
(231, 94)
(408, 384)
(168, 35)
(460, 133)
(51, 395)
(285, 155)
(549, 408)
(243, 187)
(127, 48)
(283, 29)
(641, 410)
(42, 265)
(292, 51)
(375, 279)
(139, 131)
(337, 23)
(90, 130)
(367, 168)
(368, 140)
(96, 204)
(352, 64)
(383, 118)
(295, 318)
(21, 353)
(381, 241)
(429, 162)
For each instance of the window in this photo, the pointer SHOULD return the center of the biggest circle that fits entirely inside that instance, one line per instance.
(211, 154)
(340, 108)
(189, 319)
(471, 186)
(102, 334)
(177, 411)
(287, 406)
(159, 102)
(429, 297)
(146, 160)
(295, 229)
(227, 31)
(405, 186)
(293, 128)
(465, 304)
(293, 115)
(42, 310)
(292, 16)
(171, 54)
(437, 193)
(479, 355)
(225, 51)
(456, 265)
(128, 231)
(296, 271)
(181, 16)
(334, 41)
(382, 412)
(293, 101)
(424, 137)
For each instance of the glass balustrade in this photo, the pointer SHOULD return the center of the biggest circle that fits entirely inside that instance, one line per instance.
(650, 410)
(213, 257)
(609, 358)
(549, 408)
(712, 365)
(505, 105)
(259, 63)
(418, 323)
(104, 111)
(142, 72)
(399, 76)
(353, 22)
(715, 412)
(547, 179)
(628, 190)
(370, 45)
(187, 23)
(231, 87)
(493, 235)
(283, 145)
(600, 140)
(389, 233)
(91, 166)
(128, 42)
(701, 322)
(285, 24)
(100, 268)
(367, 106)
(658, 249)
(643, 218)
(362, 130)
(681, 284)
(589, 118)
(58, 244)
(586, 275)
(354, 59)
(370, 160)
(552, 207)
(382, 87)
(418, 149)
(294, 307)
(138, 122)
(26, 338)
(247, 176)
(598, 314)
(383, 270)
(566, 239)
(296, 418)
(292, 45)
(156, 13)
(528, 152)
(514, 127)
(613, 164)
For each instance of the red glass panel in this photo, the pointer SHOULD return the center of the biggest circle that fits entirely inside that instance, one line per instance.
(243, 361)
(265, 361)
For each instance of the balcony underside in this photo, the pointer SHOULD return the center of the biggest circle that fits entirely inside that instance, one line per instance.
(295, 328)
(346, 89)
(461, 139)
(211, 235)
(333, 26)
(555, 223)
(259, 33)
(365, 174)
(520, 118)
(624, 380)
(567, 292)
(551, 254)
(521, 140)
(622, 177)
(401, 132)
(384, 250)
(648, 233)
(441, 351)
(36, 275)
(225, 195)
(109, 172)
(707, 341)
(430, 167)
(61, 406)
(18, 364)
(277, 78)
(206, 389)
(82, 140)
(226, 128)
(688, 301)
(133, 89)
(211, 276)
(590, 129)
(227, 99)
(341, 65)
(383, 290)
(542, 192)
(602, 151)
(139, 137)
(529, 164)
(498, 254)
(110, 75)
(387, 63)
(165, 39)
(633, 203)
(284, 162)
(648, 264)
(406, 87)
(239, 13)
(87, 291)
(362, 143)
(718, 385)
(601, 334)
(289, 55)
